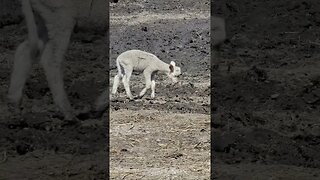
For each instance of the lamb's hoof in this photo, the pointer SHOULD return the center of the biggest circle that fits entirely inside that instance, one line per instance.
(15, 109)
(112, 98)
(138, 97)
(150, 98)
(14, 99)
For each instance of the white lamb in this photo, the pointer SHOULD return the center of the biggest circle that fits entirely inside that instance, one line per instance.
(136, 60)
(50, 24)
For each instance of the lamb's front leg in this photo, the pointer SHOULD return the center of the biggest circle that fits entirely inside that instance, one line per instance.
(153, 85)
(51, 61)
(115, 84)
(147, 76)
(126, 82)
(22, 65)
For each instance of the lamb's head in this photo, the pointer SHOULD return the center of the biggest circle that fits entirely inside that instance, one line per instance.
(175, 71)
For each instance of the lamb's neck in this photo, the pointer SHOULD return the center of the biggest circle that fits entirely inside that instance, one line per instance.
(162, 66)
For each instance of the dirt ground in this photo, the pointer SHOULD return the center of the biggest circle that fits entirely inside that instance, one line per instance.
(168, 137)
(35, 145)
(266, 107)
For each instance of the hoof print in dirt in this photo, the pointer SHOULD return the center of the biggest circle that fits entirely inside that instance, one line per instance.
(256, 74)
(144, 29)
(124, 150)
(223, 142)
(116, 108)
(23, 148)
(175, 155)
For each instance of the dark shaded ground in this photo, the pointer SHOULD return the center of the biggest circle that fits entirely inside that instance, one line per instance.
(266, 108)
(39, 148)
(35, 144)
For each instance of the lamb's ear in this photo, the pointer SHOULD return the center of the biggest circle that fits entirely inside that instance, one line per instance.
(171, 68)
(173, 63)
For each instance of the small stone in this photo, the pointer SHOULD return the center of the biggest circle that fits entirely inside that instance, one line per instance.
(315, 131)
(274, 96)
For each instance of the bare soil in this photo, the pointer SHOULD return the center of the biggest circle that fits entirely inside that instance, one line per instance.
(35, 145)
(266, 107)
(168, 137)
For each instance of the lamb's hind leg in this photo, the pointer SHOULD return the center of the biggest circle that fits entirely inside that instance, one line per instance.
(147, 76)
(51, 60)
(116, 82)
(126, 82)
(22, 64)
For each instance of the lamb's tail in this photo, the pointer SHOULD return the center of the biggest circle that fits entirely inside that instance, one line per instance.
(120, 71)
(33, 36)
